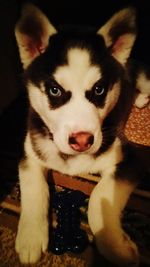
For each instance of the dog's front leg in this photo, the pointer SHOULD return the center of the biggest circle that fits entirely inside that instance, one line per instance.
(32, 236)
(106, 203)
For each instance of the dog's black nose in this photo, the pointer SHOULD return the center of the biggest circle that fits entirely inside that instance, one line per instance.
(81, 141)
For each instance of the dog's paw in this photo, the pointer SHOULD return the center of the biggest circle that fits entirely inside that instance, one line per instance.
(129, 251)
(122, 251)
(31, 240)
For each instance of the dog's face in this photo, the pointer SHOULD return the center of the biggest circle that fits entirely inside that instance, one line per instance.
(74, 90)
(73, 79)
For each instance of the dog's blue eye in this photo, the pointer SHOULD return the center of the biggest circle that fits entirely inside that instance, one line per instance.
(99, 90)
(54, 91)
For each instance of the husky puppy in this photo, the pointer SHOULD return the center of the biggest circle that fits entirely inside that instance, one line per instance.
(80, 94)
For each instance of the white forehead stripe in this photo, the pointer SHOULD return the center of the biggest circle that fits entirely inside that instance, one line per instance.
(79, 73)
(78, 57)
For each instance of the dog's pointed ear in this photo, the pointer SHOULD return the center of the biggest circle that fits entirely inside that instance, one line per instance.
(119, 33)
(32, 33)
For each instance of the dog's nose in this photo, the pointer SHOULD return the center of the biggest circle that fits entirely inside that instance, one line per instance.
(81, 141)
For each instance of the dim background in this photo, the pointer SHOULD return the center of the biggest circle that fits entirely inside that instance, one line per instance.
(93, 13)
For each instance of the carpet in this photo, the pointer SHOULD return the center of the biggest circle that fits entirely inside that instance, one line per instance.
(8, 257)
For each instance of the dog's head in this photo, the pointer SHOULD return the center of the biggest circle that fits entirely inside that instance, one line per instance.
(74, 77)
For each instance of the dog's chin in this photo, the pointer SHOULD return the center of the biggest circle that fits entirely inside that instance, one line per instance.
(71, 152)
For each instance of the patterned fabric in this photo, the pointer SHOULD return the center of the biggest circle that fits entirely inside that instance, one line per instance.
(138, 126)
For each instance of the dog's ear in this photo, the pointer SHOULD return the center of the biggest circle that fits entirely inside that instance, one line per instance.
(32, 33)
(119, 33)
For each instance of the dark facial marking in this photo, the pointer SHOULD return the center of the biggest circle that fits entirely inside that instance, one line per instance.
(37, 129)
(55, 55)
(114, 123)
(56, 94)
(98, 93)
(37, 125)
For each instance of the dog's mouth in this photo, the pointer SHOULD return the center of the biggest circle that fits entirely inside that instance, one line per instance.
(76, 152)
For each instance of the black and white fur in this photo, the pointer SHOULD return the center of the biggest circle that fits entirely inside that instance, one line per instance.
(80, 95)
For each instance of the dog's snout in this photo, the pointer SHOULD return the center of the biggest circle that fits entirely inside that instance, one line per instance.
(81, 141)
